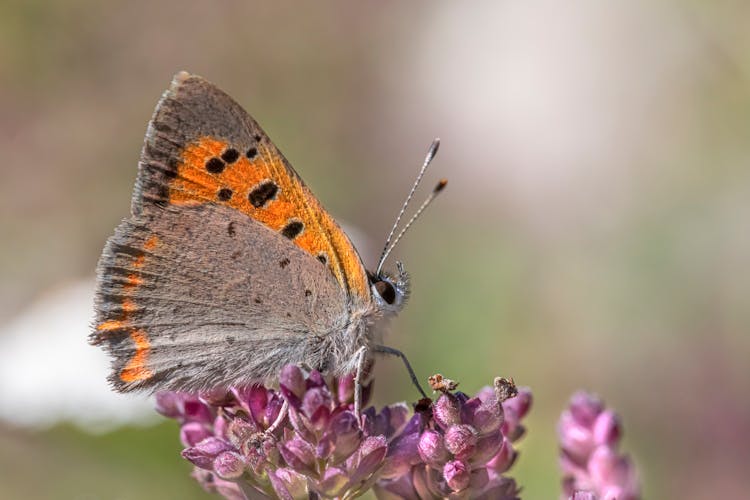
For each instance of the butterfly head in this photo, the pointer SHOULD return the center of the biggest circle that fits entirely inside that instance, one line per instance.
(390, 291)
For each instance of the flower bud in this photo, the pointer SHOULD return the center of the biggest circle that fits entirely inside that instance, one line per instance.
(487, 447)
(253, 400)
(299, 455)
(398, 415)
(192, 433)
(427, 481)
(432, 448)
(388, 422)
(197, 411)
(294, 482)
(585, 408)
(204, 453)
(602, 464)
(575, 439)
(501, 488)
(170, 404)
(229, 465)
(301, 424)
(457, 475)
(607, 428)
(292, 384)
(487, 416)
(504, 458)
(345, 434)
(402, 454)
(278, 485)
(334, 480)
(608, 469)
(369, 458)
(315, 379)
(461, 440)
(520, 403)
(447, 411)
(316, 406)
(221, 424)
(479, 479)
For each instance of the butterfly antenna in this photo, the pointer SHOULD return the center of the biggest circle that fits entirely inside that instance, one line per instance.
(440, 186)
(428, 158)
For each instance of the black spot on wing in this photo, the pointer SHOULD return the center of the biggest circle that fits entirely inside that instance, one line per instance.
(230, 155)
(264, 192)
(224, 194)
(215, 165)
(292, 229)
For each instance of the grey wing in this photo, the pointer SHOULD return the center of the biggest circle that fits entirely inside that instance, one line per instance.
(199, 297)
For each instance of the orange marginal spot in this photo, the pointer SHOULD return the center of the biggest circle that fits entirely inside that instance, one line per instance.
(128, 306)
(195, 184)
(139, 261)
(135, 370)
(111, 324)
(133, 281)
(151, 243)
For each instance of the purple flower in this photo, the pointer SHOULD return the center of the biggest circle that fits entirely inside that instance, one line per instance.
(305, 439)
(240, 441)
(459, 447)
(593, 469)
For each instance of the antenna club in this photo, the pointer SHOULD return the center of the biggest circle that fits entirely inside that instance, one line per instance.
(440, 186)
(432, 151)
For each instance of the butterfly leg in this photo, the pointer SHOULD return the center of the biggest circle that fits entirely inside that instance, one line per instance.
(395, 352)
(361, 356)
(282, 415)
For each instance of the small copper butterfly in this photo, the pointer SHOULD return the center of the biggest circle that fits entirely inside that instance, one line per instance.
(229, 268)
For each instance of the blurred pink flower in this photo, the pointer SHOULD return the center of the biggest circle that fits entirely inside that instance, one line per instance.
(592, 467)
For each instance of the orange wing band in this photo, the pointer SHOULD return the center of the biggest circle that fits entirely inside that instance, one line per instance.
(136, 369)
(259, 184)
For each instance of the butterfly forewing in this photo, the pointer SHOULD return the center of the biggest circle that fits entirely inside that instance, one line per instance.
(202, 147)
(228, 267)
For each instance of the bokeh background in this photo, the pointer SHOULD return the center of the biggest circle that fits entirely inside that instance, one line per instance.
(595, 232)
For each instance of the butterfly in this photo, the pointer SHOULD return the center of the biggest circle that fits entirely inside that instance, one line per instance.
(229, 268)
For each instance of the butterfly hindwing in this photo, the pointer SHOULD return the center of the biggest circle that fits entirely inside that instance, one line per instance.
(185, 301)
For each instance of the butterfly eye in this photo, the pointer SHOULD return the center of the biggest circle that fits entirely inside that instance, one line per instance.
(386, 291)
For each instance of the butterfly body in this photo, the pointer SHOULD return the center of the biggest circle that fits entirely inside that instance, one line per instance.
(229, 267)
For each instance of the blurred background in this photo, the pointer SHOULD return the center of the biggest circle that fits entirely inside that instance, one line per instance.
(595, 232)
